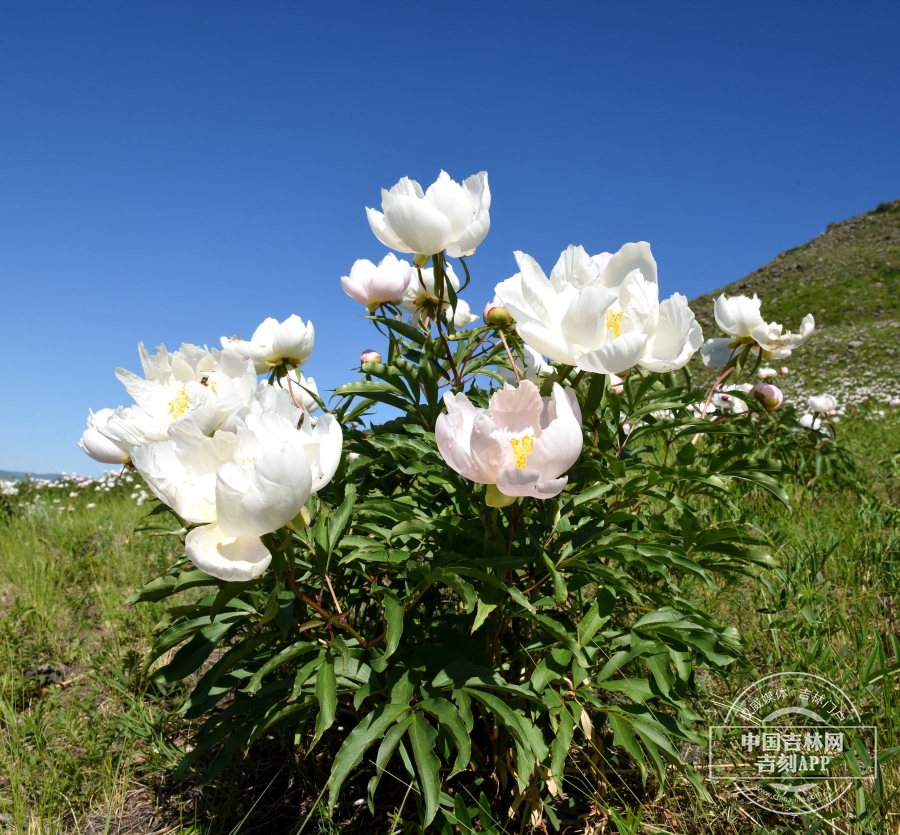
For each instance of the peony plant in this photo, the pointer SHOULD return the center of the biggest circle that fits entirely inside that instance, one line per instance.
(489, 586)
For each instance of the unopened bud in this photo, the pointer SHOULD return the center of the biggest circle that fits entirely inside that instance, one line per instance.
(783, 370)
(495, 314)
(420, 260)
(767, 394)
(369, 356)
(615, 382)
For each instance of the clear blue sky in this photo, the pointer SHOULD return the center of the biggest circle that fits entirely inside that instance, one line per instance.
(178, 171)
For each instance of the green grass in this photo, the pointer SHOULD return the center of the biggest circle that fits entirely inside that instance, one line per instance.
(94, 744)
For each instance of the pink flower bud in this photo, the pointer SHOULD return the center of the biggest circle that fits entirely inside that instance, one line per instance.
(783, 370)
(895, 401)
(495, 314)
(615, 382)
(369, 356)
(767, 394)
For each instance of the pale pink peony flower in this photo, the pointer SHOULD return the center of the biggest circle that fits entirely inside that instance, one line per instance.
(522, 443)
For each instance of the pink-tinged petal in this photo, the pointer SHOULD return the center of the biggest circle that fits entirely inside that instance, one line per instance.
(517, 410)
(602, 260)
(516, 482)
(453, 432)
(490, 450)
(354, 289)
(232, 559)
(559, 445)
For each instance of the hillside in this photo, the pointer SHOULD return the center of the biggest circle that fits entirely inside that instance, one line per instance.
(848, 277)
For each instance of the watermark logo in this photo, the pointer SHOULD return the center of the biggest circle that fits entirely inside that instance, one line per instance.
(793, 743)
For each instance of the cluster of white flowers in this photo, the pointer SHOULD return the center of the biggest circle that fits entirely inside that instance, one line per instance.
(237, 457)
(8, 488)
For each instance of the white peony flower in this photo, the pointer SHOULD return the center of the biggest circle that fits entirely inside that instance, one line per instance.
(603, 314)
(447, 216)
(522, 443)
(274, 343)
(740, 318)
(98, 446)
(823, 404)
(371, 285)
(243, 483)
(192, 385)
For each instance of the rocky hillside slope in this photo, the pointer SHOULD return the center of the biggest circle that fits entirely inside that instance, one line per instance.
(848, 277)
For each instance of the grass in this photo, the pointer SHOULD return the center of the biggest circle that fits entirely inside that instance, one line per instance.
(87, 744)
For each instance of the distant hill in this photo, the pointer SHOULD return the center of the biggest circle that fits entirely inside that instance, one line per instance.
(9, 475)
(848, 277)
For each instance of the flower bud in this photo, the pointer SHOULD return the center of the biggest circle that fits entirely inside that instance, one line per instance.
(616, 384)
(767, 394)
(783, 370)
(369, 356)
(766, 373)
(496, 315)
(895, 401)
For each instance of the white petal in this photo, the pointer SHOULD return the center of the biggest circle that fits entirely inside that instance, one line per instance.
(232, 559)
(717, 353)
(631, 257)
(419, 225)
(738, 315)
(101, 448)
(322, 445)
(616, 356)
(574, 267)
(384, 233)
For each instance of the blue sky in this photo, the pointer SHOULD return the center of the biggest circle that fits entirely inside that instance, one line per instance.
(178, 171)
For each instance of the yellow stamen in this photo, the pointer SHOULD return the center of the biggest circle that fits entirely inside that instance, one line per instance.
(179, 403)
(614, 321)
(521, 447)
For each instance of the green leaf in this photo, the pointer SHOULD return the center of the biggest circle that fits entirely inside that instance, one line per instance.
(326, 693)
(286, 655)
(386, 751)
(449, 718)
(484, 609)
(360, 739)
(340, 517)
(625, 739)
(559, 749)
(393, 618)
(422, 736)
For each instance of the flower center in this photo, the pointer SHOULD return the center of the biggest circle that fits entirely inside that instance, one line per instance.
(614, 321)
(521, 447)
(210, 384)
(179, 403)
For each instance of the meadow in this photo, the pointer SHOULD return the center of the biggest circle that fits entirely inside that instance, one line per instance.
(88, 742)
